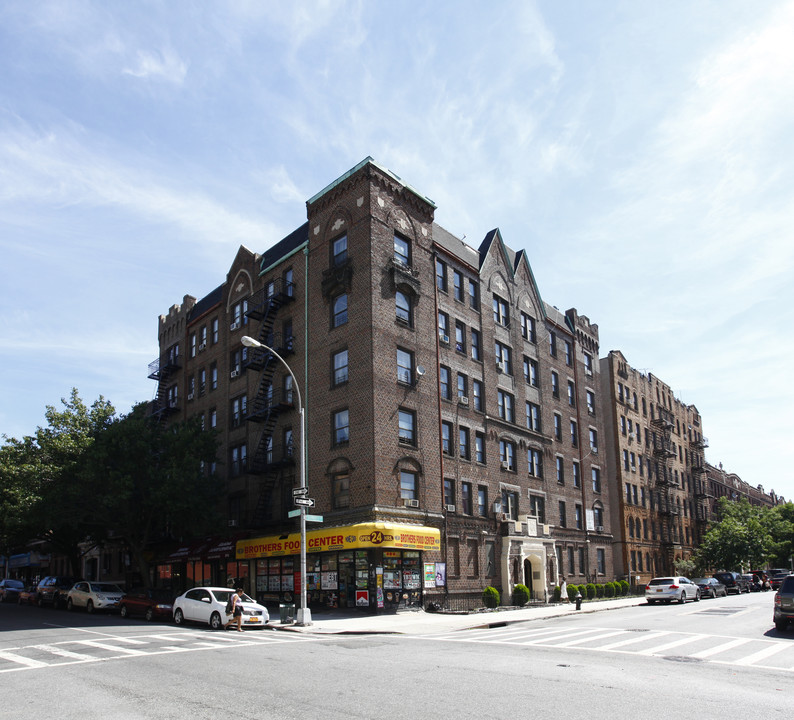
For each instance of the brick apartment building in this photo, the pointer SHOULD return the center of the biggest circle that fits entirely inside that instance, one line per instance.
(455, 427)
(724, 484)
(656, 456)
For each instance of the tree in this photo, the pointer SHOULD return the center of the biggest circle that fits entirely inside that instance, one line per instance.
(739, 540)
(780, 522)
(149, 480)
(18, 492)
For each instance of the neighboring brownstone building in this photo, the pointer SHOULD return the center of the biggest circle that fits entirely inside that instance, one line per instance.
(720, 483)
(455, 434)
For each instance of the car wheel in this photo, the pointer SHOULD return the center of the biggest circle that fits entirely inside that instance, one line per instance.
(124, 612)
(69, 605)
(215, 621)
(149, 614)
(651, 602)
(89, 607)
(682, 599)
(780, 625)
(40, 601)
(697, 596)
(179, 618)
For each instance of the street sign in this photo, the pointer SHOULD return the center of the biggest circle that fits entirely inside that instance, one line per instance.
(294, 513)
(313, 518)
(305, 502)
(298, 492)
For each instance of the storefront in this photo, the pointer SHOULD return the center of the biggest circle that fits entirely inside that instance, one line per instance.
(375, 566)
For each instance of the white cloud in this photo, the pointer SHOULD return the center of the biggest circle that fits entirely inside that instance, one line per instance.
(164, 65)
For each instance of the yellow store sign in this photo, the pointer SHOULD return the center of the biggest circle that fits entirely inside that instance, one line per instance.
(349, 537)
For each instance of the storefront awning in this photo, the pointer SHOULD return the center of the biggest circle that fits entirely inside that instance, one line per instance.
(193, 551)
(29, 559)
(347, 537)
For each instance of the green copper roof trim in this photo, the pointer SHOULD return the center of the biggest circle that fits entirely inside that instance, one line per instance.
(369, 161)
(300, 247)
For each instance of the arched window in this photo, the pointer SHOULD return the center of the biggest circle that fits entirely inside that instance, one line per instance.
(403, 307)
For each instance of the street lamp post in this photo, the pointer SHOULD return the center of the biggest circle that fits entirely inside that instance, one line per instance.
(304, 614)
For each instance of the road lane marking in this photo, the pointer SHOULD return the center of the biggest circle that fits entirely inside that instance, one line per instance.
(592, 637)
(108, 646)
(669, 645)
(637, 638)
(55, 650)
(21, 660)
(762, 654)
(736, 642)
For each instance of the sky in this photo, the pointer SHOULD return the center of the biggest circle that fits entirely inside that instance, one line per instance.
(642, 153)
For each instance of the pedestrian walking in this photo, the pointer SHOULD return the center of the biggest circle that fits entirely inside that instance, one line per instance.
(236, 601)
(564, 590)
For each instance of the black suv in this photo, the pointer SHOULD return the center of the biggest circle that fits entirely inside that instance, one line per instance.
(784, 604)
(733, 582)
(52, 590)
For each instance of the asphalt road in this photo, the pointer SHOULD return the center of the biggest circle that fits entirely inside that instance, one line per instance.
(666, 660)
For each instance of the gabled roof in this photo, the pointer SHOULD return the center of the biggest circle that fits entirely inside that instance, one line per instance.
(285, 247)
(455, 246)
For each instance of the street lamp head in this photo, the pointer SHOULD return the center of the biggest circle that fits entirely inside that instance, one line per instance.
(250, 342)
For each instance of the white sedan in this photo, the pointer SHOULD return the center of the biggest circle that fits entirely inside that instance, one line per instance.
(94, 596)
(668, 589)
(208, 605)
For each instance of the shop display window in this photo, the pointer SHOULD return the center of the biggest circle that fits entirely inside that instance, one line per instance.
(392, 575)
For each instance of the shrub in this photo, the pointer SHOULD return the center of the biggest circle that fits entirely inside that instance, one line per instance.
(555, 595)
(599, 590)
(572, 590)
(591, 591)
(609, 590)
(520, 595)
(624, 587)
(490, 597)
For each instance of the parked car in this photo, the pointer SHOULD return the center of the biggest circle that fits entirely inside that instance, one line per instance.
(784, 604)
(10, 589)
(208, 605)
(27, 596)
(710, 587)
(753, 582)
(668, 589)
(147, 602)
(733, 581)
(94, 596)
(777, 579)
(52, 590)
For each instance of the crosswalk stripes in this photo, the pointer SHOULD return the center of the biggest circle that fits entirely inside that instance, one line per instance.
(766, 653)
(116, 647)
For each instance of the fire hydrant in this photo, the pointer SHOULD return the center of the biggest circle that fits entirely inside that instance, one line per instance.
(578, 601)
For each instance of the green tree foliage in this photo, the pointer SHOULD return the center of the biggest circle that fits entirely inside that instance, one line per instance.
(780, 522)
(148, 480)
(18, 492)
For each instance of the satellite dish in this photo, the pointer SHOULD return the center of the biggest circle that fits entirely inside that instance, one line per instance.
(420, 370)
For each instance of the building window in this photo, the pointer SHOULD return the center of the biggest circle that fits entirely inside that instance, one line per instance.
(507, 454)
(475, 345)
(457, 285)
(571, 394)
(441, 275)
(192, 345)
(339, 310)
(591, 402)
(203, 335)
(479, 448)
(568, 353)
(504, 360)
(340, 485)
(563, 519)
(557, 427)
(407, 427)
(476, 391)
(214, 376)
(449, 491)
(595, 475)
(213, 418)
(535, 463)
(531, 371)
(577, 478)
(446, 438)
(239, 459)
(578, 513)
(510, 504)
(528, 328)
(482, 501)
(555, 384)
(465, 498)
(339, 250)
(402, 250)
(501, 311)
(560, 470)
(574, 434)
(339, 368)
(407, 485)
(474, 295)
(239, 410)
(505, 404)
(463, 443)
(463, 386)
(444, 382)
(588, 364)
(460, 337)
(214, 330)
(405, 367)
(594, 441)
(403, 308)
(533, 416)
(341, 427)
(443, 327)
(537, 507)
(601, 561)
(552, 344)
(202, 381)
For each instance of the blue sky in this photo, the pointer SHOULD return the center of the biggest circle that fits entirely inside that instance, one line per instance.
(641, 152)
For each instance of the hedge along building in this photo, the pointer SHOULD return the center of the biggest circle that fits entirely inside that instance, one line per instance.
(444, 401)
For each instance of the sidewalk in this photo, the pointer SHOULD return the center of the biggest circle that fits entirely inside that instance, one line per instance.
(428, 623)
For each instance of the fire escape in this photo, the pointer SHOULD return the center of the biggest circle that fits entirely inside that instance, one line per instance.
(163, 370)
(269, 458)
(663, 453)
(701, 481)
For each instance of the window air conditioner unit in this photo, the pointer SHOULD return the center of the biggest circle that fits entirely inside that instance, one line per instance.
(202, 346)
(450, 508)
(599, 528)
(172, 403)
(232, 523)
(500, 367)
(235, 373)
(444, 338)
(190, 396)
(412, 503)
(505, 465)
(463, 400)
(588, 372)
(234, 325)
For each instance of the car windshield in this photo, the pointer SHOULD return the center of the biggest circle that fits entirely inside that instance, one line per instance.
(662, 581)
(105, 588)
(14, 584)
(224, 595)
(701, 581)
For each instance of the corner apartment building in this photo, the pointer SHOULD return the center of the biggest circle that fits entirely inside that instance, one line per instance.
(656, 455)
(455, 434)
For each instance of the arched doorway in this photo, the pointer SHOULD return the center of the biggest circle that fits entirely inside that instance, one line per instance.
(528, 576)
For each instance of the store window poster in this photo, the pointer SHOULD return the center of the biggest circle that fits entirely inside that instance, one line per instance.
(441, 574)
(362, 598)
(430, 575)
